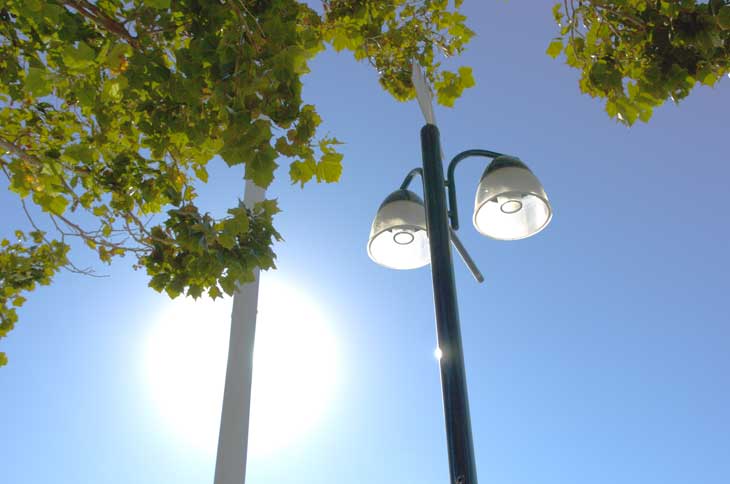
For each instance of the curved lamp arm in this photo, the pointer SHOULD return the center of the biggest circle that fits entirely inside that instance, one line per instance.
(409, 177)
(454, 239)
(453, 208)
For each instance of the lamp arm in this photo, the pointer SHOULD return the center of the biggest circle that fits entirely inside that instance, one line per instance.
(453, 208)
(409, 177)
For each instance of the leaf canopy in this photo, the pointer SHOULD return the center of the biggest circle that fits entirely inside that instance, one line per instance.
(637, 54)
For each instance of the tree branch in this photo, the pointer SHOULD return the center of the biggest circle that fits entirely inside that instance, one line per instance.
(96, 15)
(9, 147)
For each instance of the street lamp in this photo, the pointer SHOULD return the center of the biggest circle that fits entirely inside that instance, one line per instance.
(510, 204)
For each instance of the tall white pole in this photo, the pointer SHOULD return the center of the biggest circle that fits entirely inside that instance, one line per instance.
(230, 465)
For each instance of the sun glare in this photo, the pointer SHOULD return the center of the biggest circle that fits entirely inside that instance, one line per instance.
(295, 365)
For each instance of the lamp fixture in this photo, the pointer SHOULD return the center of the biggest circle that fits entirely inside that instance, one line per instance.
(398, 238)
(510, 202)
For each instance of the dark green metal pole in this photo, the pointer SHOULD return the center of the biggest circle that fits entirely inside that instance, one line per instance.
(453, 375)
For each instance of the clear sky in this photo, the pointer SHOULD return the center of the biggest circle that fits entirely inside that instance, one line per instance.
(596, 352)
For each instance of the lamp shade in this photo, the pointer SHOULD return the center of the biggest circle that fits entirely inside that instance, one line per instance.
(398, 237)
(510, 202)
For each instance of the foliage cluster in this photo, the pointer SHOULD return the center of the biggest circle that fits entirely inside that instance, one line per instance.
(24, 264)
(637, 54)
(111, 110)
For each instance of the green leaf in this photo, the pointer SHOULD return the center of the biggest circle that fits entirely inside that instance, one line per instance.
(52, 12)
(302, 171)
(202, 174)
(611, 109)
(37, 82)
(195, 291)
(158, 4)
(709, 79)
(448, 88)
(555, 48)
(283, 147)
(58, 205)
(79, 153)
(645, 113)
(79, 57)
(269, 207)
(34, 5)
(261, 168)
(557, 14)
(113, 88)
(329, 168)
(340, 41)
(118, 55)
(467, 77)
(723, 17)
(226, 240)
(238, 223)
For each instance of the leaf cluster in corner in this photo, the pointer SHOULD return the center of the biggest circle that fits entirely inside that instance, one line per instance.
(637, 54)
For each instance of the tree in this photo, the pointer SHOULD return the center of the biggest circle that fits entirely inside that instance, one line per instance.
(110, 111)
(636, 54)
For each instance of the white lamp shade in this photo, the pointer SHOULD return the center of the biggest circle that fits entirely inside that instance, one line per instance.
(398, 237)
(510, 202)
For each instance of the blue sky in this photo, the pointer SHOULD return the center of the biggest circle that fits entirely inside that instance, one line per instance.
(596, 351)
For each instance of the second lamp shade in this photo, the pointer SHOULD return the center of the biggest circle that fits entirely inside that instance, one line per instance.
(510, 202)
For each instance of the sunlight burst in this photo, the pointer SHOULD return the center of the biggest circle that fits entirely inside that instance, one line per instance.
(295, 363)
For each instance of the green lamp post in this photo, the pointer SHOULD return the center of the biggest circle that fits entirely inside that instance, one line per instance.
(510, 204)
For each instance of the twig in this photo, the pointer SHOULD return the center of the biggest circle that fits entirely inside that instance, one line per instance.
(69, 266)
(80, 232)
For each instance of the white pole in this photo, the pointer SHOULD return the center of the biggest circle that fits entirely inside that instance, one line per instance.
(230, 465)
